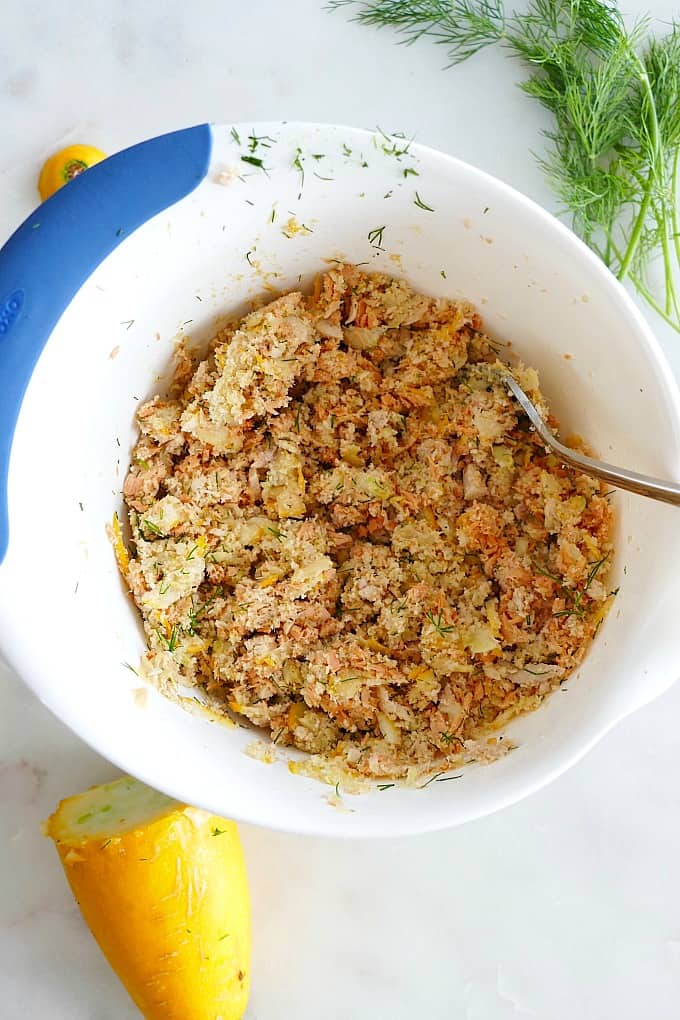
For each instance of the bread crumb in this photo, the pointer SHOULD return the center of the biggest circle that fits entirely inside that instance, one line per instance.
(261, 751)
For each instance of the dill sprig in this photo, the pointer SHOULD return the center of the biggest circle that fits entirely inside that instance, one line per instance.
(613, 151)
(463, 26)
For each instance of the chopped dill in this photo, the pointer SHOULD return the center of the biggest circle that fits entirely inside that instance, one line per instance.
(171, 642)
(422, 205)
(396, 145)
(278, 535)
(297, 163)
(438, 623)
(576, 597)
(375, 237)
(196, 614)
(432, 779)
(259, 140)
(255, 161)
(440, 777)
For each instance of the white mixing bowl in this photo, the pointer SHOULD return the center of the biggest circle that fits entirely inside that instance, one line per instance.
(94, 289)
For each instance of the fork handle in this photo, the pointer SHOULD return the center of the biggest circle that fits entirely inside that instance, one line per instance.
(631, 481)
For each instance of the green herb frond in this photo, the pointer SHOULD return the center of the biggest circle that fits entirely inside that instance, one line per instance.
(662, 61)
(613, 151)
(463, 27)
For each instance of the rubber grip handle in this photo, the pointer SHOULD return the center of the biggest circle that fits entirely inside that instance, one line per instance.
(53, 252)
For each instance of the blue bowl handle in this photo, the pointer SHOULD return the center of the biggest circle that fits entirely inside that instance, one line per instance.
(53, 252)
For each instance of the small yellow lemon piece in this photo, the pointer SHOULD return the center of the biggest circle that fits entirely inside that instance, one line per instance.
(63, 166)
(164, 891)
(122, 557)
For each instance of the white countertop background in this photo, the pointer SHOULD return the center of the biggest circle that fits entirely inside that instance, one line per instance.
(565, 907)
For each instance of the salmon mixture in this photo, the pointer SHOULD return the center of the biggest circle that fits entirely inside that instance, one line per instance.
(345, 531)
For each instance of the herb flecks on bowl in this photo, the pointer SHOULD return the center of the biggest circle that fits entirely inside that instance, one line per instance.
(613, 151)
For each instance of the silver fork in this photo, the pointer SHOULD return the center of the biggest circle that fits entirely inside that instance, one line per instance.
(643, 485)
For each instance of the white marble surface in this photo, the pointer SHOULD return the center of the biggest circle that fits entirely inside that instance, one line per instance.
(565, 906)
